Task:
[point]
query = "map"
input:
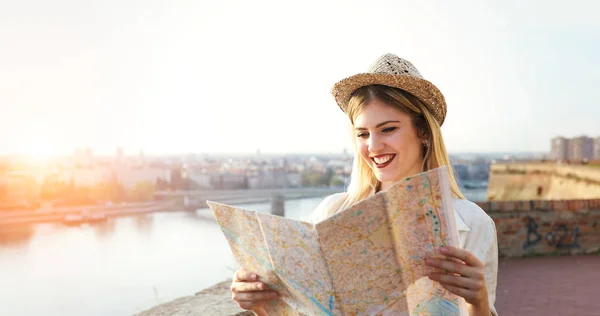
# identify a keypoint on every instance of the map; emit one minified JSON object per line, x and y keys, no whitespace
{"x":365,"y":260}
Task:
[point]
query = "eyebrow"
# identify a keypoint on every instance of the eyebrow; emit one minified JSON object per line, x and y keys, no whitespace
{"x":378,"y":125}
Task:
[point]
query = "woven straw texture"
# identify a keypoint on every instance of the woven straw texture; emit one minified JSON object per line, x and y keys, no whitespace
{"x":391,"y":70}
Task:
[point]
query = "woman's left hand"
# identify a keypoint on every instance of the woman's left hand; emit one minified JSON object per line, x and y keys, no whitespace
{"x":464,"y":277}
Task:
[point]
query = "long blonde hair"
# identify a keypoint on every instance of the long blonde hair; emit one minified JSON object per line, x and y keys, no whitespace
{"x":362,"y":180}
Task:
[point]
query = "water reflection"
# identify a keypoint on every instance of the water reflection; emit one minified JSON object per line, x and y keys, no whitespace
{"x":128,"y":261}
{"x":201,"y":215}
{"x":144,"y":223}
{"x":105,"y":229}
{"x":16,"y":236}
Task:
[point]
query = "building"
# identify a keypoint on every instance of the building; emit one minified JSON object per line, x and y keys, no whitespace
{"x":575,"y":149}
{"x":200,"y":180}
{"x":597,"y":148}
{"x":229,"y":181}
{"x":274,"y":179}
{"x":17,"y":187}
{"x":560,"y":149}
{"x":125,"y":175}
{"x":581,"y":148}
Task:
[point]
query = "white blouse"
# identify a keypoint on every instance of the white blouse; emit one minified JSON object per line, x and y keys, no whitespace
{"x":476,"y":231}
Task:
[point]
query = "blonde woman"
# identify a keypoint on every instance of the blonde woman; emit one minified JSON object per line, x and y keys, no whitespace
{"x":396,"y":117}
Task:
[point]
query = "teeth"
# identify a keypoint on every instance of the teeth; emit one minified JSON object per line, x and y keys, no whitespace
{"x":382,"y":159}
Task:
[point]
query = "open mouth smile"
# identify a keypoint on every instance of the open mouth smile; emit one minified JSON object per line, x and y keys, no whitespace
{"x":382,"y":161}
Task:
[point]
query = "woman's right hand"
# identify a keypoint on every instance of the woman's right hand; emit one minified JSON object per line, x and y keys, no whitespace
{"x":249,"y":292}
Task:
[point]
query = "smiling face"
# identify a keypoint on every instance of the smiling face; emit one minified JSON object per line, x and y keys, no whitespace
{"x":388,"y":142}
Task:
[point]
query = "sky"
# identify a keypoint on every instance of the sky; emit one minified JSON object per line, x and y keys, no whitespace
{"x":174,"y":77}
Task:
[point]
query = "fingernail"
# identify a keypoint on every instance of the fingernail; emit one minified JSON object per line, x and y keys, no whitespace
{"x":253,"y":276}
{"x":444,"y":250}
{"x":430,"y":261}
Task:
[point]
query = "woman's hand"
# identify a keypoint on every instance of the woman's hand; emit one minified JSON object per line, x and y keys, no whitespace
{"x":464,"y":277}
{"x":249,"y":293}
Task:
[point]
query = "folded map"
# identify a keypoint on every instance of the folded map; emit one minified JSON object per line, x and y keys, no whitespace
{"x":365,"y":260}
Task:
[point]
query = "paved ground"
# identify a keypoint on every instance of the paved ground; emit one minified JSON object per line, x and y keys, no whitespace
{"x":565,"y":285}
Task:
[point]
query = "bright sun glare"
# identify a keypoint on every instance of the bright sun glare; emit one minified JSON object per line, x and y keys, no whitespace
{"x":40,"y":150}
{"x":37,"y":144}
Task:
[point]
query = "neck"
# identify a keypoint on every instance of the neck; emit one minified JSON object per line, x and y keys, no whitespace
{"x":383,"y":186}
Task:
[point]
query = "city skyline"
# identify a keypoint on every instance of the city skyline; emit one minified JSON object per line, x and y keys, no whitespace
{"x":234,"y":77}
{"x":136,"y":153}
{"x":578,"y":148}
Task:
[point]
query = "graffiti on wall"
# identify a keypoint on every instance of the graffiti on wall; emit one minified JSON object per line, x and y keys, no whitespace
{"x":558,"y":238}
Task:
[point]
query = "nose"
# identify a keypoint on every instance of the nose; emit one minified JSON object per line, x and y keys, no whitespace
{"x":375,"y":144}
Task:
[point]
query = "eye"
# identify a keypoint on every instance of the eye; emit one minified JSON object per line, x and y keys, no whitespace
{"x":389,"y":129}
{"x":362,"y":135}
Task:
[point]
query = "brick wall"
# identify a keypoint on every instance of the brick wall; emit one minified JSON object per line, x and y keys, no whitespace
{"x":546,"y":227}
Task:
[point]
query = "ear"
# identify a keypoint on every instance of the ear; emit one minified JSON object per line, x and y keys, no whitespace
{"x":422,"y":134}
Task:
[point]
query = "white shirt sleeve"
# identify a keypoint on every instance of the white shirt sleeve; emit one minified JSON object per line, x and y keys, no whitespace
{"x":482,"y":241}
{"x":490,"y":262}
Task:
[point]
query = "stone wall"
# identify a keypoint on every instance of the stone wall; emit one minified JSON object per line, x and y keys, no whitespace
{"x":215,"y":300}
{"x":546,"y":227}
{"x":543,"y":181}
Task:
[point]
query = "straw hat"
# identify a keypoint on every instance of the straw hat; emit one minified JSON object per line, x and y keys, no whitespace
{"x":391,"y":70}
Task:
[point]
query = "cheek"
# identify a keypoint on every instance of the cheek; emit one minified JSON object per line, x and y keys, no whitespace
{"x":413,"y":150}
{"x":397,"y":142}
{"x":404,"y":142}
{"x":363,"y":149}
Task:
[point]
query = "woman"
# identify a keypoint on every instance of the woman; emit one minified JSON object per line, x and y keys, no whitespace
{"x":396,"y":117}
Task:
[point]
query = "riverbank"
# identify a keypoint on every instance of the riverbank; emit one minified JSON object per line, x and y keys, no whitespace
{"x":59,"y":214}
{"x":172,"y":201}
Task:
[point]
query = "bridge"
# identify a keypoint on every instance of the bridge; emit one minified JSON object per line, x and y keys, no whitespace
{"x":170,"y":201}
{"x":197,"y":198}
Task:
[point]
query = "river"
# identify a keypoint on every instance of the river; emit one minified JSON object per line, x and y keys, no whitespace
{"x":120,"y":267}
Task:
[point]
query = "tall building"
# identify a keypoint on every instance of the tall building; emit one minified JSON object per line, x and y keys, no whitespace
{"x":560,"y":149}
{"x":575,"y":149}
{"x":581,"y":148}
{"x":588,"y":148}
{"x":597,"y":148}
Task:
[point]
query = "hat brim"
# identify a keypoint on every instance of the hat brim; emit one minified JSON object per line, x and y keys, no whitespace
{"x":424,"y":90}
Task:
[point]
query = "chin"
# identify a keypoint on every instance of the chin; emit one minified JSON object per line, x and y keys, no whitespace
{"x":384,"y":177}
{"x":388,"y":174}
